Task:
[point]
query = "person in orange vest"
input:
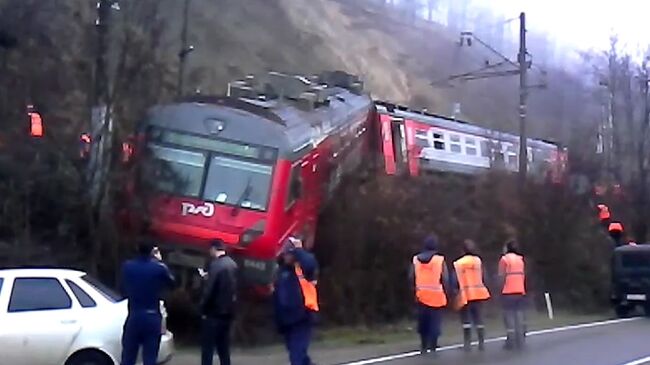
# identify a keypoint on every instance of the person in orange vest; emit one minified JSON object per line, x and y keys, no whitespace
{"x":604,"y":214}
{"x":630,"y":240}
{"x":430,"y":279}
{"x":472,"y":292}
{"x":295,"y":299}
{"x":616,"y":232}
{"x":512,"y":275}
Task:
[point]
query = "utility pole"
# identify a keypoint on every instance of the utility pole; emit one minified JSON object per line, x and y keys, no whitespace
{"x":184,"y":51}
{"x":491,"y":70}
{"x":101,"y":77}
{"x":523,"y":96}
{"x":101,"y":123}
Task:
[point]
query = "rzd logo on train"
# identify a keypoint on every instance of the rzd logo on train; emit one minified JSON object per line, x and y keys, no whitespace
{"x":206,"y":210}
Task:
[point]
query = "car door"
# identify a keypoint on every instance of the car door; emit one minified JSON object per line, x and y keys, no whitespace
{"x":41,"y":321}
{"x":10,"y":351}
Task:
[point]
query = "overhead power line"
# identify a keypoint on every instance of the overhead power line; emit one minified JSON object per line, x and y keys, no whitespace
{"x":520,"y":67}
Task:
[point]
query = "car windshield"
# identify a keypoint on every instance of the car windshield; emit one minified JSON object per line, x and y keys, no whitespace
{"x":635,"y":261}
{"x":104,"y":290}
{"x":238,"y":182}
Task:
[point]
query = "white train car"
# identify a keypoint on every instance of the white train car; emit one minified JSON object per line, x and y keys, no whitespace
{"x":418,"y":142}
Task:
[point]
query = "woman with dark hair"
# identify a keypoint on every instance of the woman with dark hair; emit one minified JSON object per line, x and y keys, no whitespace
{"x":512,"y":275}
{"x":472,"y":293}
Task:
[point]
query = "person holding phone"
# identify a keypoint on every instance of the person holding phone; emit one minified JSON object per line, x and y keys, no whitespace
{"x":295,"y":299}
{"x":143,"y":281}
{"x":218,"y":304}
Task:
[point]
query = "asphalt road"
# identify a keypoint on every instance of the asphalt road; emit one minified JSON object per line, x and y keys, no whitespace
{"x":617,"y":343}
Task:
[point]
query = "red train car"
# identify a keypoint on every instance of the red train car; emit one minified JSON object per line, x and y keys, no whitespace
{"x":415,"y":142}
{"x":250,"y":168}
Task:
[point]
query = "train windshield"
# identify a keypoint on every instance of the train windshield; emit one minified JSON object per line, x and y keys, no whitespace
{"x":237,"y":182}
{"x":174,"y":170}
{"x":218,"y":171}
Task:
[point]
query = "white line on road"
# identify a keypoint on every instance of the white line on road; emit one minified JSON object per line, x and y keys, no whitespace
{"x":645,"y":360}
{"x":497,"y":339}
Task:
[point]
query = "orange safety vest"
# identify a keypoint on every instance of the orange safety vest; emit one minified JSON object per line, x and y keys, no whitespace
{"x":36,"y":125}
{"x":308,"y":288}
{"x":428,"y":282}
{"x":470,"y":279}
{"x":604,"y":213}
{"x":615,"y":226}
{"x":512,"y":267}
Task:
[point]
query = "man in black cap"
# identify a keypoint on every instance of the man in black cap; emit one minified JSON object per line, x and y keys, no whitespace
{"x":143,"y":281}
{"x":218,"y":305}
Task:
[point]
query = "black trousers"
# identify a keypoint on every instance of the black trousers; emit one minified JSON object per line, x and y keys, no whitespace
{"x":471,"y":315}
{"x":429,"y":322}
{"x":215,"y":333}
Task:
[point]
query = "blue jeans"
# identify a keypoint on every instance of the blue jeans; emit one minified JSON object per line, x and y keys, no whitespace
{"x":215,"y":332}
{"x":514,"y":317}
{"x":141,"y":329}
{"x":297,"y":338}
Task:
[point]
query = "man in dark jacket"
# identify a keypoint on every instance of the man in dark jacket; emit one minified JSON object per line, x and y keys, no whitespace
{"x":218,"y":305}
{"x":430,"y":317}
{"x":293,"y":318}
{"x":143,"y":281}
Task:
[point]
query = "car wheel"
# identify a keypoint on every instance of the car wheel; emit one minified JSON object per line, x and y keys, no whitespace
{"x":89,"y":357}
{"x":646,"y":310}
{"x":622,"y":311}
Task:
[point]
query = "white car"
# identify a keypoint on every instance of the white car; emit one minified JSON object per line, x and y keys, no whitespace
{"x":63,"y":317}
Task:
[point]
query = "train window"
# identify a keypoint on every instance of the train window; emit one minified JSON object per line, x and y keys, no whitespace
{"x":455,"y":148}
{"x":295,"y":186}
{"x":454,"y":137}
{"x":471,"y":150}
{"x":438,"y":141}
{"x":421,"y":139}
{"x":238,"y":182}
{"x":174,"y":170}
{"x":470,"y":141}
{"x":485,"y":148}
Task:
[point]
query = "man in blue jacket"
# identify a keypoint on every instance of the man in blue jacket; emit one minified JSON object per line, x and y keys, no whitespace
{"x":295,"y":300}
{"x":143,"y":281}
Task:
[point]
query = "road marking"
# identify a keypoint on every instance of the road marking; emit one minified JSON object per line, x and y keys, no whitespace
{"x":645,"y":360}
{"x":404,"y":355}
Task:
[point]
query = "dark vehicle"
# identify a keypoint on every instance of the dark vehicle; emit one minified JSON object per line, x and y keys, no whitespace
{"x":631,"y":279}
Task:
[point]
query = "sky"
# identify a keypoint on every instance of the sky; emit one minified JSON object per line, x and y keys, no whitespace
{"x":584,"y":24}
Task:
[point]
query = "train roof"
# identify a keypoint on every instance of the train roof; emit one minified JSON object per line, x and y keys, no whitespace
{"x":455,"y":124}
{"x":290,"y":113}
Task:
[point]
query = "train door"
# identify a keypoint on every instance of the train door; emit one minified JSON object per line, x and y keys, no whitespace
{"x":303,"y":199}
{"x":393,"y":144}
{"x":313,"y":193}
{"x":398,"y":132}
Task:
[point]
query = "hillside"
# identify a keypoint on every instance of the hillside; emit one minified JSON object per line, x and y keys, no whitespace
{"x":398,"y":57}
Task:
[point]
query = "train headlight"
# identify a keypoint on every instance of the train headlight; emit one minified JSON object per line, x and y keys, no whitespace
{"x":248,"y":237}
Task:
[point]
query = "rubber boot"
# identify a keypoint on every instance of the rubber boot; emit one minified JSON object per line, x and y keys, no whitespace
{"x":481,"y":338}
{"x":433,"y":346}
{"x":467,"y":339}
{"x":510,"y":341}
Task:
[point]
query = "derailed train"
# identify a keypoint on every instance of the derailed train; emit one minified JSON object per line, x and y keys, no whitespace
{"x":257,"y":165}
